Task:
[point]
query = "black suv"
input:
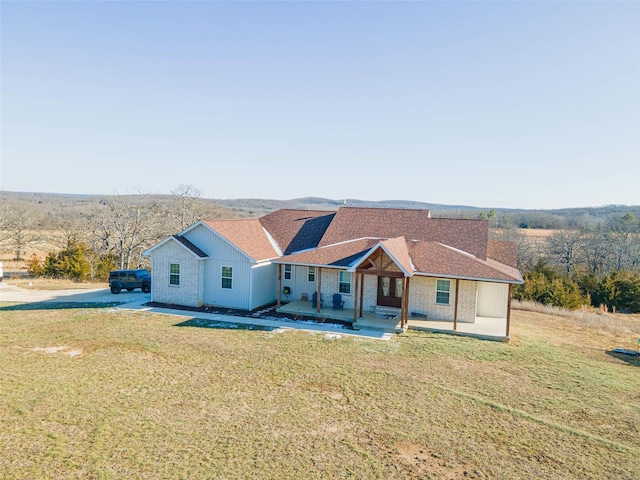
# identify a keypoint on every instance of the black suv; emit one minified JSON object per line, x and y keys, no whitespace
{"x":129,"y":279}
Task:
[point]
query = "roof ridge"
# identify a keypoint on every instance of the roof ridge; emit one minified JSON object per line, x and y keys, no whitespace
{"x":349,"y":207}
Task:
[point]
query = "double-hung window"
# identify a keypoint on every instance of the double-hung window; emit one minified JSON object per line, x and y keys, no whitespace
{"x":443,"y":292}
{"x":312,"y":274}
{"x":344,"y":282}
{"x":174,"y":274}
{"x":227,"y":277}
{"x":287,"y":272}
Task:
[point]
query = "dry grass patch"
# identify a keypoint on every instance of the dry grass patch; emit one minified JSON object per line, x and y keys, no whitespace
{"x":149,"y":399}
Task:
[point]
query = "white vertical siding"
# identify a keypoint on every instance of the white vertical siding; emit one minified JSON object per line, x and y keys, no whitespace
{"x":235,"y":297}
{"x":215,"y":246}
{"x":300,"y":283}
{"x":264,"y":279}
{"x":492,"y":299}
{"x":222,"y":254}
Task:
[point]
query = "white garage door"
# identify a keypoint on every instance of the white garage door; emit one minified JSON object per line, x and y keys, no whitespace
{"x":492,"y":300}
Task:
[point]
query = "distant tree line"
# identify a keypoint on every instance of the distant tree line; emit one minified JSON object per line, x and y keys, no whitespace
{"x":597,"y":266}
{"x":592,"y":257}
{"x":111,"y":234}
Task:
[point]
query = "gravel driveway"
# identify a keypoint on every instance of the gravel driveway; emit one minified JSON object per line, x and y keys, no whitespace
{"x":10,"y":293}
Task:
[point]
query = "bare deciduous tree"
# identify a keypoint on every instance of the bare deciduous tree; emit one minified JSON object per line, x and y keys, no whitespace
{"x":563,"y":249}
{"x":187,"y":206}
{"x":19,"y":225}
{"x":128,"y":226}
{"x":623,"y":238}
{"x":594,"y":251}
{"x":527,"y":251}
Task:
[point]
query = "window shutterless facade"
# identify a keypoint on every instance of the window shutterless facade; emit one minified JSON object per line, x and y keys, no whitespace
{"x":344,"y":282}
{"x":174,"y":274}
{"x":287,"y":272}
{"x":227,"y":277}
{"x":443,"y":292}
{"x":312,"y":274}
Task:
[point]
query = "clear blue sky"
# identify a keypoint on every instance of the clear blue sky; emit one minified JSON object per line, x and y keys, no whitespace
{"x":491,"y":104}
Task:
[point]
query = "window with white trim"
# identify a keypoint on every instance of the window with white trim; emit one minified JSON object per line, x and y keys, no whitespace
{"x":287,"y":272}
{"x":227,"y":277}
{"x":344,"y":282}
{"x":312,"y":274}
{"x":174,"y":274}
{"x":443,"y":292}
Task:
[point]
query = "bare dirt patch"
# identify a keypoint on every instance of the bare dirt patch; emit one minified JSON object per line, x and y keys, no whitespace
{"x":63,"y":350}
{"x":432,"y":465}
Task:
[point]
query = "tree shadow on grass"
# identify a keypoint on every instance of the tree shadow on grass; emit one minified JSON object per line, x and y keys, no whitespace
{"x":204,"y":323}
{"x":631,"y":359}
{"x":57,"y":306}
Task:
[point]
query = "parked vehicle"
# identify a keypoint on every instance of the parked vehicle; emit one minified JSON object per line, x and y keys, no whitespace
{"x":129,"y":280}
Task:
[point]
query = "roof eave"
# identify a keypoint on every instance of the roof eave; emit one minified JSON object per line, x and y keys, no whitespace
{"x":464,"y":277}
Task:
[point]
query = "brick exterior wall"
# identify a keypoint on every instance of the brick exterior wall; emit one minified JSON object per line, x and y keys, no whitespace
{"x":329,"y":286}
{"x":422,"y":293}
{"x":190,"y":290}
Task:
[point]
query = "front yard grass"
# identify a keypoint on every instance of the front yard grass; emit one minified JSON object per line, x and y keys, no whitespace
{"x":132,"y":395}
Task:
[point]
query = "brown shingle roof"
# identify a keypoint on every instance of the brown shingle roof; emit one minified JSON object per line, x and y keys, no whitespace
{"x":340,"y":255}
{"x":247,"y":235}
{"x":296,"y":230}
{"x":464,"y":234}
{"x":433,"y":258}
{"x":503,"y":252}
{"x":354,"y":222}
{"x":397,"y":249}
{"x":414,"y":256}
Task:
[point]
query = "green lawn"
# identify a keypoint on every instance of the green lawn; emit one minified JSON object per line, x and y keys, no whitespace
{"x":132,"y":395}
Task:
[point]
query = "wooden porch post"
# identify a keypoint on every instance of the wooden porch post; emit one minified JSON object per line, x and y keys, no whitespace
{"x":407,"y":289}
{"x":455,"y":308}
{"x":279,"y":283}
{"x":361,"y":292}
{"x":319,"y":289}
{"x":509,"y":310}
{"x":403,"y":305}
{"x":355,"y":299}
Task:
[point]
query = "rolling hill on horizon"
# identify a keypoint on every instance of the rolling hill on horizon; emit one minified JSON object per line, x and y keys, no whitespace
{"x":254,"y":207}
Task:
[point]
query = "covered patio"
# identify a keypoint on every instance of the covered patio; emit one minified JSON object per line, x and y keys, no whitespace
{"x":484,"y":327}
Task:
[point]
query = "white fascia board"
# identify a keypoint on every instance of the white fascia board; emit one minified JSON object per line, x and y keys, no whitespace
{"x":461,"y":277}
{"x":319,"y":265}
{"x":273,"y":242}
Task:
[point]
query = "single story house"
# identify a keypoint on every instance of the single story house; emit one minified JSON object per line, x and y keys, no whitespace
{"x":396,"y":262}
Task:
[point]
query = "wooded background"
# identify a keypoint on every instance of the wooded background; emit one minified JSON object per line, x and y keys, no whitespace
{"x":570,"y":257}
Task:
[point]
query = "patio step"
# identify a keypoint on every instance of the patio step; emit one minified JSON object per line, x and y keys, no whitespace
{"x":391,"y":325}
{"x":387,"y":312}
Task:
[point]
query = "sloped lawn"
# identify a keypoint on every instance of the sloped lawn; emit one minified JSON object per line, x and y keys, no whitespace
{"x":104,"y":393}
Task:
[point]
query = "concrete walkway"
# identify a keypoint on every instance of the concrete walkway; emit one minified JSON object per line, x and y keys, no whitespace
{"x":135,"y":301}
{"x":367,"y":327}
{"x":271,"y":323}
